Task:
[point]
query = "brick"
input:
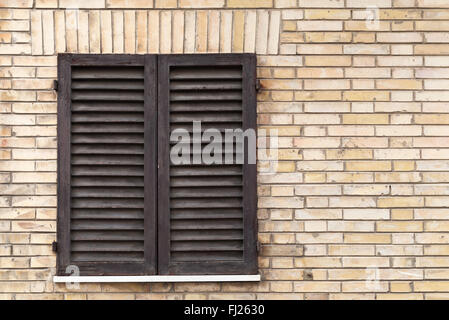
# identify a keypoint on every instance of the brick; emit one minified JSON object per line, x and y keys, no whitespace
{"x":328,"y":61}
{"x":365,"y":119}
{"x":364,"y":142}
{"x":398,"y":130}
{"x":366,"y":214}
{"x":130,"y":32}
{"x":370,"y":49}
{"x":46,"y":4}
{"x":201,"y":31}
{"x":400,"y":61}
{"x":319,"y":25}
{"x":349,"y":154}
{"x":326,"y":84}
{"x":332,"y":14}
{"x":407,"y":37}
{"x":353,"y":130}
{"x":399,"y":84}
{"x":88,"y":4}
{"x":83,"y":31}
{"x":365,"y":189}
{"x":117,"y":32}
{"x":366,"y":238}
{"x":386,"y":202}
{"x":16,"y":4}
{"x":273,"y":39}
{"x":367,"y":72}
{"x":248,"y":3}
{"x":311,"y":286}
{"x":226,"y":32}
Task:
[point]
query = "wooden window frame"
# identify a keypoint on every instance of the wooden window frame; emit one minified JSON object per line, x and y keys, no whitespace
{"x":156,"y":209}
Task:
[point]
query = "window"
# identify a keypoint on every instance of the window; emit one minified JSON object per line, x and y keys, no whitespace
{"x":128,"y":204}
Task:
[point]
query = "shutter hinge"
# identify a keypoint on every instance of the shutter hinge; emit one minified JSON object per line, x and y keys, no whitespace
{"x":55,"y":85}
{"x":54,"y":246}
{"x":258,"y":246}
{"x":258,"y":86}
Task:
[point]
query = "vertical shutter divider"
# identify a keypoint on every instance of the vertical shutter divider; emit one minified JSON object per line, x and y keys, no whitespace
{"x":64,"y":175}
{"x":249,"y":170}
{"x":163,"y":166}
{"x":150,"y":163}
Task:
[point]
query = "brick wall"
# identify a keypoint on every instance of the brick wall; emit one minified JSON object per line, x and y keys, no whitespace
{"x":362,"y":113}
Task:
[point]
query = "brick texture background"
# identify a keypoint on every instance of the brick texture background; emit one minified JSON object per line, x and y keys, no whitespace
{"x":363,"y":119}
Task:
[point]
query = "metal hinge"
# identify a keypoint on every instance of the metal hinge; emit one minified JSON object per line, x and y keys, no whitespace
{"x":258,"y":246}
{"x":258,"y":86}
{"x":55,"y":85}
{"x":54,"y":246}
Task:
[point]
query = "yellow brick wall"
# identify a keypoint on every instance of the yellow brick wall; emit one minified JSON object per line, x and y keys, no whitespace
{"x":362,"y":189}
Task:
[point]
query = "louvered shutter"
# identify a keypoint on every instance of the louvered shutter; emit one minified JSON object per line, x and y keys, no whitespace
{"x":206,"y":213}
{"x":107,"y":164}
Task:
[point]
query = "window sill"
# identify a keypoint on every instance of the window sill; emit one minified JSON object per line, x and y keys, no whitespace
{"x":193,"y":278}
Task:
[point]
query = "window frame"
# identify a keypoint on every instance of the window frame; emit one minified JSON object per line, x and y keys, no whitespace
{"x":155,"y":242}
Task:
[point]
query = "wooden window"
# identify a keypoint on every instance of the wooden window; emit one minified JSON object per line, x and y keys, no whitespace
{"x":123,"y":207}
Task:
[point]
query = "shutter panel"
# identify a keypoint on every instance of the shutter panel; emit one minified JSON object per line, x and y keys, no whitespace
{"x":206,"y":213}
{"x":107,"y":164}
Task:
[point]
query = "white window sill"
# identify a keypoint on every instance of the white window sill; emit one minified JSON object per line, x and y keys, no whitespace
{"x":202,"y":278}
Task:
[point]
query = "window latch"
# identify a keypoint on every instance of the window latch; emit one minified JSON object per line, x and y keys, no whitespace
{"x":54,"y":246}
{"x":55,"y":85}
{"x":258,"y":86}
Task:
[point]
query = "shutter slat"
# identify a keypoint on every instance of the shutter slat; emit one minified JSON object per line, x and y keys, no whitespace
{"x":103,"y":203}
{"x":108,"y":159}
{"x":207,"y":234}
{"x":183,"y":246}
{"x":206,"y":117}
{"x":205,"y":181}
{"x":107,"y":73}
{"x":106,"y":95}
{"x":112,"y":171}
{"x":221,"y":127}
{"x":207,"y":170}
{"x":211,"y":72}
{"x":128,"y":149}
{"x":108,"y":235}
{"x":185,"y":214}
{"x":110,"y":106}
{"x":207,"y":256}
{"x":205,"y":95}
{"x":197,"y":106}
{"x":105,"y":117}
{"x":107,"y":256}
{"x":105,"y":192}
{"x":107,"y":214}
{"x":211,"y":203}
{"x":107,"y":182}
{"x":108,"y":127}
{"x":205,"y":85}
{"x":205,"y":192}
{"x":108,"y":84}
{"x":205,"y":224}
{"x":122,"y":225}
{"x":87,"y":246}
{"x":107,"y":138}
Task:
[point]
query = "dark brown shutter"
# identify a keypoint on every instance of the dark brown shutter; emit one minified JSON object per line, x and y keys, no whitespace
{"x":107,"y":164}
{"x":206,"y":213}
